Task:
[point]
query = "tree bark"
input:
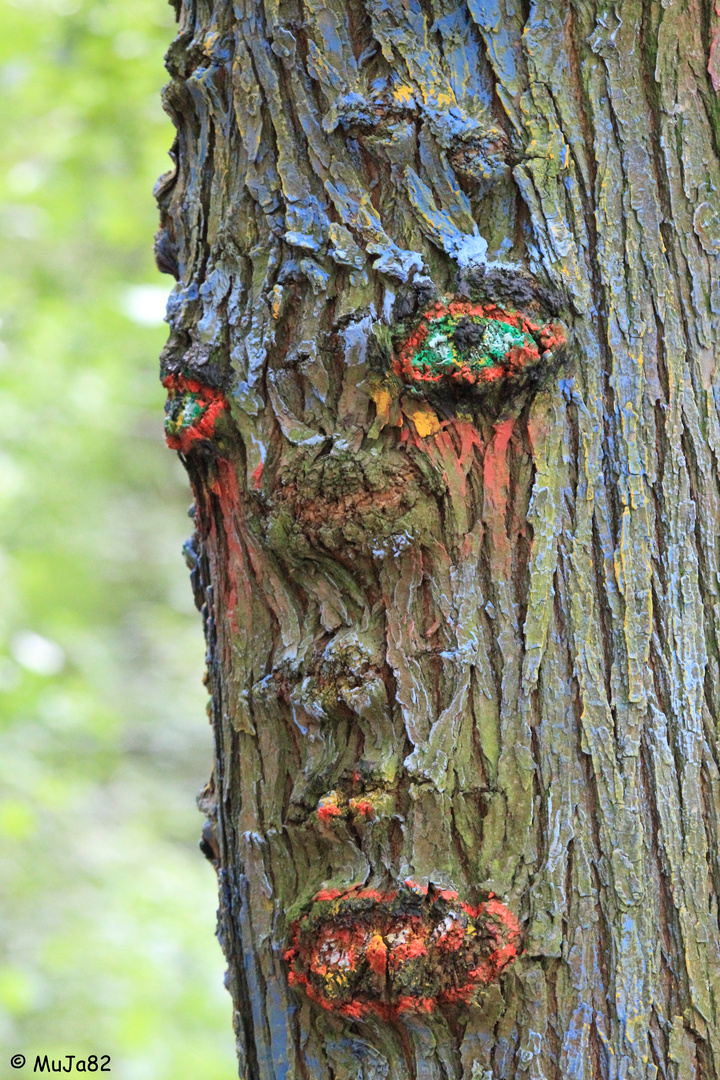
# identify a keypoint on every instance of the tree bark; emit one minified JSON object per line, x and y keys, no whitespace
{"x":462,"y":635}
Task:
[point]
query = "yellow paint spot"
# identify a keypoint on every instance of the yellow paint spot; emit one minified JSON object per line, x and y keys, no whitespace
{"x":403,"y":94}
{"x":382,"y":401}
{"x":425,"y":421}
{"x":335,"y":983}
{"x":209,"y":42}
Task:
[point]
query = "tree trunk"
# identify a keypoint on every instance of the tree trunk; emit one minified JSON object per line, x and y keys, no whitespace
{"x":461,"y":602}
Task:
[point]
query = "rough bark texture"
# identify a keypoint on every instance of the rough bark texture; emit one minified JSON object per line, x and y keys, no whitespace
{"x":460,"y":638}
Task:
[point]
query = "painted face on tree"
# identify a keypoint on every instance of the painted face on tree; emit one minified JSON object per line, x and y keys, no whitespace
{"x":391,"y":952}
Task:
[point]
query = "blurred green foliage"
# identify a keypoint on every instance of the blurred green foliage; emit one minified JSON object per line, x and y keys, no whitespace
{"x":108,"y":909}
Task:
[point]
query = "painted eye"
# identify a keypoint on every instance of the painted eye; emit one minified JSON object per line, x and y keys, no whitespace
{"x":191,"y":411}
{"x":457,"y":344}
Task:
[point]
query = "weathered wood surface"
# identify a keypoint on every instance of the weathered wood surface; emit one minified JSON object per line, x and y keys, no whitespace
{"x":498,"y":627}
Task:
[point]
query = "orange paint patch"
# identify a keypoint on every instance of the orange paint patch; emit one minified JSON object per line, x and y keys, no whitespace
{"x":363,"y":807}
{"x":376,"y":953}
{"x":327,"y":811}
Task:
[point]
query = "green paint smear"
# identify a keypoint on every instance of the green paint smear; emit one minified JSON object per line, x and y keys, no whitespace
{"x":440,"y":352}
{"x":192,"y":411}
{"x":182,"y":412}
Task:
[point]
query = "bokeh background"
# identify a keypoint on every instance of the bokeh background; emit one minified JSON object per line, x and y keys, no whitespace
{"x":107,"y":908}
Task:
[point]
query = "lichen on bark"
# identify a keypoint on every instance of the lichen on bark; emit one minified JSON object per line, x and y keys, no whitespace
{"x":493,"y":620}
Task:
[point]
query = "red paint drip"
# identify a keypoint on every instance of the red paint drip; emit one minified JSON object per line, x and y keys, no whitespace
{"x":225,"y":488}
{"x":410,"y":951}
{"x":714,"y":57}
{"x":257,"y":475}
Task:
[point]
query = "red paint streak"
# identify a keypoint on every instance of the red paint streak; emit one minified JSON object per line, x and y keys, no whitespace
{"x":257,"y":475}
{"x":714,"y":58}
{"x":407,"y":952}
{"x":213,"y":402}
{"x":496,"y":471}
{"x":225,"y":487}
{"x":328,"y":894}
{"x":373,"y":894}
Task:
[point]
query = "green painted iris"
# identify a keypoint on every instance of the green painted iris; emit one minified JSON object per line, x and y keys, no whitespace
{"x":182,"y":412}
{"x":455,"y":342}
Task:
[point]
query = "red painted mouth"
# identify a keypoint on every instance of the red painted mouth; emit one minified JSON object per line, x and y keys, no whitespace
{"x":364,"y":953}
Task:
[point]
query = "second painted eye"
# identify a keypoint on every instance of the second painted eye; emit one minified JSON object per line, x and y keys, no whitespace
{"x":465,"y":344}
{"x":191,"y":411}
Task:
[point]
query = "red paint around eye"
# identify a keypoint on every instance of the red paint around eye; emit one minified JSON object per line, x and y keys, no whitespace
{"x":532,"y":338}
{"x":365,"y":953}
{"x":192,"y":411}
